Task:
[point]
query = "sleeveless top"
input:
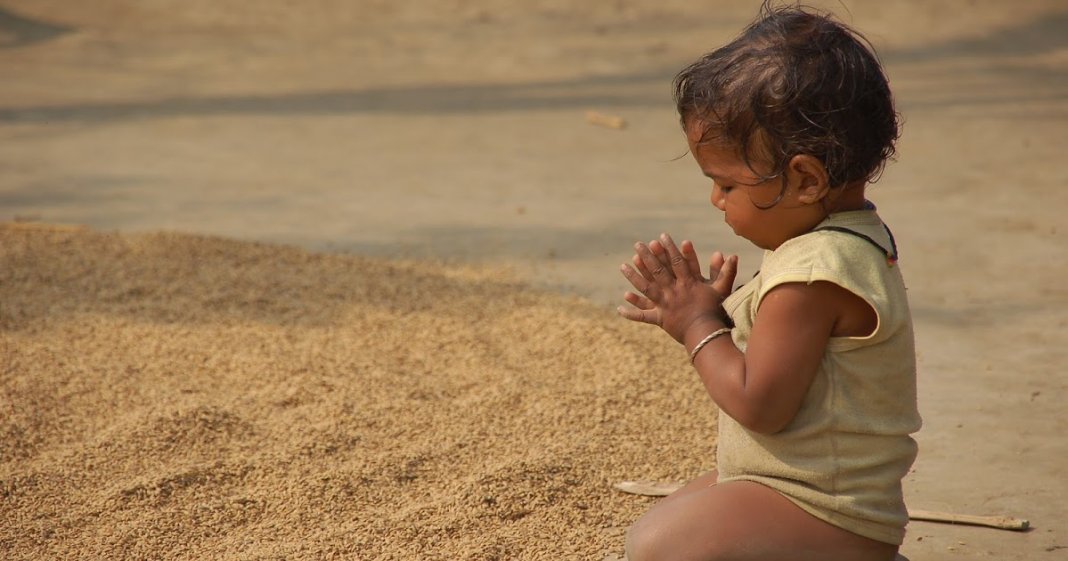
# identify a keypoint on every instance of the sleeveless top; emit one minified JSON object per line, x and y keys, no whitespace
{"x":843,"y":456}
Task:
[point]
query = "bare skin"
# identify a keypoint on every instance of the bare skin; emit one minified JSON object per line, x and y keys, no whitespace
{"x":762,"y":388}
{"x":742,"y":521}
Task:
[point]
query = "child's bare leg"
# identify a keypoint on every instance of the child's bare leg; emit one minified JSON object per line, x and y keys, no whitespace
{"x":742,"y":521}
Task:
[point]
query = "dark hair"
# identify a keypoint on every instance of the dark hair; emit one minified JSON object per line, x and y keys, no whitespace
{"x":794,"y":82}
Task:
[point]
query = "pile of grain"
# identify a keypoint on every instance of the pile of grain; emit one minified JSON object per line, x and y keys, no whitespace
{"x":168,"y":396}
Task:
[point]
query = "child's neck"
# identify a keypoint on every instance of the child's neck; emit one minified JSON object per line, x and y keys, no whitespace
{"x":846,"y":198}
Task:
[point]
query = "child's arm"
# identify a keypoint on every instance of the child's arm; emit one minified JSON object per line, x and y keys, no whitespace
{"x":764,"y":387}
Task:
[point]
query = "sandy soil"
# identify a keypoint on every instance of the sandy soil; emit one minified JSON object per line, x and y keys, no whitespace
{"x":178,"y":396}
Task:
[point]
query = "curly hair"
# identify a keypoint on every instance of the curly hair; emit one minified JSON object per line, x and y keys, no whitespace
{"x":794,"y":82}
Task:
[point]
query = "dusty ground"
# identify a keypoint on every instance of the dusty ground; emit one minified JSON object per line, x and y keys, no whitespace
{"x":454,"y":131}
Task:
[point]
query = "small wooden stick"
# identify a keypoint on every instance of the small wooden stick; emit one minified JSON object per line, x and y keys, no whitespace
{"x":1001,"y":522}
{"x":662,"y":489}
{"x":648,"y":488}
{"x":607,"y":121}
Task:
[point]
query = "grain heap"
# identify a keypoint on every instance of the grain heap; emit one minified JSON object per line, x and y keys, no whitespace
{"x":168,"y":396}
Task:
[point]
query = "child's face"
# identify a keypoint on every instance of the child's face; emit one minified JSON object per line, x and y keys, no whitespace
{"x":751,"y":207}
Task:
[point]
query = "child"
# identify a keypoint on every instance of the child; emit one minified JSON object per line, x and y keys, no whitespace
{"x":812,"y":361}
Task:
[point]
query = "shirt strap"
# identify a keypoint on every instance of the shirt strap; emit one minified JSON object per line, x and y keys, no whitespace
{"x":891,"y":255}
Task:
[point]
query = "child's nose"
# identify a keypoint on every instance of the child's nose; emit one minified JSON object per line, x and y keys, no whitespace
{"x":718,"y":199}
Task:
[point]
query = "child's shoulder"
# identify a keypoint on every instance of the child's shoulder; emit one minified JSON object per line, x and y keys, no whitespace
{"x":843,"y":238}
{"x":846,"y":248}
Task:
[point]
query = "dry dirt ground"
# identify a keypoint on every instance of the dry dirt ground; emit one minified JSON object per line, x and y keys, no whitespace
{"x":454,"y":132}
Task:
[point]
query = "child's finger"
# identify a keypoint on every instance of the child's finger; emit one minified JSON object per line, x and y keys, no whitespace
{"x":692,"y":260}
{"x":639,"y":301}
{"x":643,"y":285}
{"x":727,"y":273}
{"x":642,"y":268}
{"x":643,"y":316}
{"x":639,"y":265}
{"x":657,"y":249}
{"x":660,"y":272}
{"x":679,"y":267}
{"x":715,"y":263}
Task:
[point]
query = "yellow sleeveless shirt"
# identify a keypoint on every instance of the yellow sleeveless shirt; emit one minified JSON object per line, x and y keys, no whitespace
{"x":842,"y":458}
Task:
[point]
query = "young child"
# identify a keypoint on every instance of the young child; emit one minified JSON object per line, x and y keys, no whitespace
{"x":812,"y":361}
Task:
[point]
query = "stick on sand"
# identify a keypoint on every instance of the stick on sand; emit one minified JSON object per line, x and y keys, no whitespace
{"x":607,"y":121}
{"x":661,"y":489}
{"x":1000,"y":522}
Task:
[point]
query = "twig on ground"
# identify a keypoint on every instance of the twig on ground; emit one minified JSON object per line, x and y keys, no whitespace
{"x":664,"y":488}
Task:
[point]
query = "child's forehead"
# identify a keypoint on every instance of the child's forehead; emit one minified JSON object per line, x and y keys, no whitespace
{"x":721,"y":162}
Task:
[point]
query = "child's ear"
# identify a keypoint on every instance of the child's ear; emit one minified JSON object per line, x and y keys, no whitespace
{"x":811,"y":178}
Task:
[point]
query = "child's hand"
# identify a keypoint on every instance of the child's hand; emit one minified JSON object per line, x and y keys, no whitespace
{"x":672,"y":292}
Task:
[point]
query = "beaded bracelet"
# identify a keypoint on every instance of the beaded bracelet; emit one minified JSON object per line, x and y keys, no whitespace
{"x":706,"y":340}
